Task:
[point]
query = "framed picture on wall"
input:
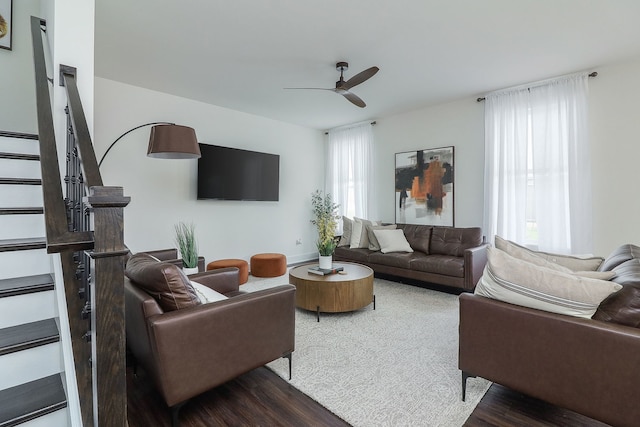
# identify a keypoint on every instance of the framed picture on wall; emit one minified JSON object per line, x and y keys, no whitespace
{"x":425,"y":187}
{"x":6,"y":23}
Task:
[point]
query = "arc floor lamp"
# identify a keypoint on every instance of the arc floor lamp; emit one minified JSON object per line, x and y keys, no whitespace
{"x":166,"y":141}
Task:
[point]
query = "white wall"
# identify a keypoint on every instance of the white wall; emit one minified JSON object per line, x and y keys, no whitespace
{"x":163,"y":192}
{"x":17,"y":84}
{"x":614,"y":117}
{"x":460,"y":124}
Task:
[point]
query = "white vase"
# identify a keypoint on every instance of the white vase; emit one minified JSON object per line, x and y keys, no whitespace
{"x":190,"y":270}
{"x":325,"y":261}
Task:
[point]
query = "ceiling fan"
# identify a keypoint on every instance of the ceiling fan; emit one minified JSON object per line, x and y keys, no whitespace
{"x":342,"y":86}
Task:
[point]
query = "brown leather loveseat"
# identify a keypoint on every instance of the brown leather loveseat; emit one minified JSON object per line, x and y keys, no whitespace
{"x":447,"y":256}
{"x":188,"y":347}
{"x":591,"y":366}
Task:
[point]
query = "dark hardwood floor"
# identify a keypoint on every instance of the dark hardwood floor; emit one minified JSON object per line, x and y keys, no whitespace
{"x":257,"y":398}
{"x":503,"y":407}
{"x":262,"y":398}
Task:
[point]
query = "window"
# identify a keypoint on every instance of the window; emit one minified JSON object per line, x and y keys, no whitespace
{"x":537,"y":181}
{"x":348,"y":172}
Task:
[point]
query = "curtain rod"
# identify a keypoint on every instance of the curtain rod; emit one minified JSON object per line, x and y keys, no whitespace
{"x":594,"y":74}
{"x":373,"y":123}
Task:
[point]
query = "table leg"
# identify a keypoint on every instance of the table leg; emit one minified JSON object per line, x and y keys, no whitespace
{"x":318,"y":313}
{"x":374,"y":301}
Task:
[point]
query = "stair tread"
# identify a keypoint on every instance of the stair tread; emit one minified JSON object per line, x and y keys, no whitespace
{"x":21,"y":181}
{"x":21,"y":211}
{"x":22,"y":244}
{"x":28,"y":335}
{"x":31,"y":400}
{"x":26,"y":285}
{"x":19,"y":156}
{"x":21,"y":135}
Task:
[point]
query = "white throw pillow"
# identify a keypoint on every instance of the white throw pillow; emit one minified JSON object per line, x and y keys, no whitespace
{"x":573,"y":263}
{"x":519,"y":282}
{"x":359,"y":235}
{"x":206,"y":294}
{"x":374,"y":245}
{"x":392,"y":241}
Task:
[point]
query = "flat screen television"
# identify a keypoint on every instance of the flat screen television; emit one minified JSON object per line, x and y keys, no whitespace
{"x":232,"y":174}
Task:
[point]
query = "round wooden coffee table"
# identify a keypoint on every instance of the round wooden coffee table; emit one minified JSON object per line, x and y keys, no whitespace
{"x":334,"y":293}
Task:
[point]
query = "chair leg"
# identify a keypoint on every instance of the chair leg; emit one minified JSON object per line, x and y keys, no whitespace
{"x":288,"y":356}
{"x":464,"y":384}
{"x":175,"y":411}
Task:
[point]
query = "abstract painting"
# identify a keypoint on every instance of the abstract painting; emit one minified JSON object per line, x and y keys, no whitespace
{"x":6,"y":24}
{"x":424,"y":187}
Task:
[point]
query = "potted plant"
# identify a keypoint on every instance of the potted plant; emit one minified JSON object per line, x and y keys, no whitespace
{"x":186,"y":242}
{"x":325,"y":214}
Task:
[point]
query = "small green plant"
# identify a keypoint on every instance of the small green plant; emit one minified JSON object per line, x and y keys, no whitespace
{"x":325,"y":214}
{"x":186,"y":242}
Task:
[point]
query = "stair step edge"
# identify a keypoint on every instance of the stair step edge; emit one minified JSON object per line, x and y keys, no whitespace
{"x":21,"y":181}
{"x":31,"y":400}
{"x":21,"y":211}
{"x":26,"y":285}
{"x":23,"y":244}
{"x":28,"y":335}
{"x":19,"y":156}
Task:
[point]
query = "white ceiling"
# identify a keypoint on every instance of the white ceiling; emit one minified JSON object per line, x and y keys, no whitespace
{"x":240,"y":54}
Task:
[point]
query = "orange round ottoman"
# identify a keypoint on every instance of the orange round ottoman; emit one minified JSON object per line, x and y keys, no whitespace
{"x":243,"y":274}
{"x":268,"y":265}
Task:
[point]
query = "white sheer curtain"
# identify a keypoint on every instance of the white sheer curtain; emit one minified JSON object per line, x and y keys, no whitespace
{"x":349,"y":170}
{"x":537,"y":166}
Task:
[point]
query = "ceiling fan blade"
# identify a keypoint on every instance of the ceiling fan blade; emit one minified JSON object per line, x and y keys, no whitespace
{"x":361,"y":77}
{"x":353,"y":98}
{"x":309,"y":88}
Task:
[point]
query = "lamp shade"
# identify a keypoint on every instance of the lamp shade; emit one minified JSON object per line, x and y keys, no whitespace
{"x":173,"y":142}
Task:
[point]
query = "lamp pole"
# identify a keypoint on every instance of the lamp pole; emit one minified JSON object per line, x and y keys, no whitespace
{"x":126,"y":133}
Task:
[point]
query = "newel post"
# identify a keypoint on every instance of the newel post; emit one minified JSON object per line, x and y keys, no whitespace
{"x":107,"y":302}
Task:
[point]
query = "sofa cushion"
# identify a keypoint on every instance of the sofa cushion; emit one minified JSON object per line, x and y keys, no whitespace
{"x":446,"y":265}
{"x":392,"y":241}
{"x":454,"y":241}
{"x":618,"y":256}
{"x":394,"y":259}
{"x":573,"y":263}
{"x":347,"y":226}
{"x":357,"y":255}
{"x":164,"y":281}
{"x":418,"y":236}
{"x":623,"y":307}
{"x":518,"y":282}
{"x":374,"y":245}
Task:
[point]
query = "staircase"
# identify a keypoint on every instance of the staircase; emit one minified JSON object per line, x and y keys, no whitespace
{"x":32,"y":391}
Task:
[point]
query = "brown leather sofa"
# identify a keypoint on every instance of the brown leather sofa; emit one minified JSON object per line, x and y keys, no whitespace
{"x":591,"y":366}
{"x":447,"y":256}
{"x":190,"y":350}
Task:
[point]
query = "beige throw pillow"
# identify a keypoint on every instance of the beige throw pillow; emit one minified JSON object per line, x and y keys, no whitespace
{"x":374,"y":245}
{"x":392,"y":241}
{"x":359,"y":235}
{"x":573,"y":263}
{"x":519,"y":282}
{"x":347,"y":226}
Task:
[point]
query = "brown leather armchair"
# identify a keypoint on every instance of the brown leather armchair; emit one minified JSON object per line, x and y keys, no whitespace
{"x":191,"y":350}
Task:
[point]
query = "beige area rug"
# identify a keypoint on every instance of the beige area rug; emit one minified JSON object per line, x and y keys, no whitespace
{"x":392,"y":366}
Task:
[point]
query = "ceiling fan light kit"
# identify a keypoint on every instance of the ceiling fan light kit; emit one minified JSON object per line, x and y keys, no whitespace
{"x":342,"y":86}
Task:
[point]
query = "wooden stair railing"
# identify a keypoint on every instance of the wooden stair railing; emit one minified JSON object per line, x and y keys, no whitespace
{"x":100,"y":365}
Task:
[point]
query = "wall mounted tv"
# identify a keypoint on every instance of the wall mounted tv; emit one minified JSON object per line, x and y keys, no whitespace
{"x":232,"y":174}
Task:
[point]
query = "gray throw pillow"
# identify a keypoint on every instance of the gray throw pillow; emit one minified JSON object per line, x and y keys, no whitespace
{"x":347,"y":225}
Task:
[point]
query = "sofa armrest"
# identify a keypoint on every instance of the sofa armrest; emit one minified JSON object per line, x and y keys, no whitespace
{"x":201,"y":347}
{"x":588,"y":366}
{"x":475,"y":260}
{"x":223,"y":280}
